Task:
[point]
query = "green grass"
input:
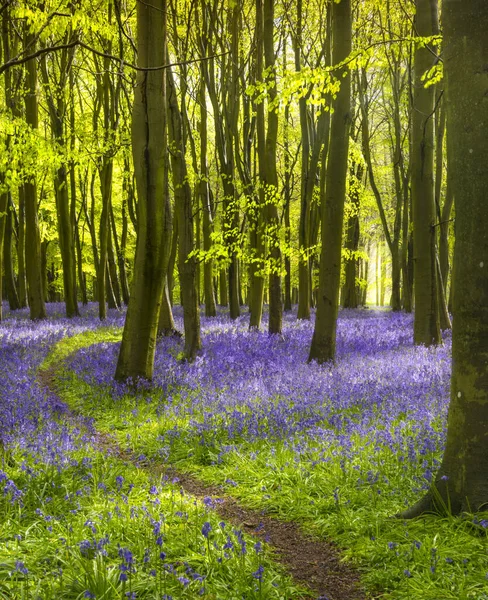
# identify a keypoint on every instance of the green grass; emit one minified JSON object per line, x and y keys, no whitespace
{"x":350,"y":499}
{"x":75,"y":523}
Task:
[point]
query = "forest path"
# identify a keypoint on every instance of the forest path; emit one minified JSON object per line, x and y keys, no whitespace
{"x":312,"y":562}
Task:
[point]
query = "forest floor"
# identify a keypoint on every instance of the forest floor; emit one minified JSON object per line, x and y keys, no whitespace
{"x":314,"y":563}
{"x":246,"y":474}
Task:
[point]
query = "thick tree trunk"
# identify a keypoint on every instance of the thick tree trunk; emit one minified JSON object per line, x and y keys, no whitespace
{"x":426,"y":320}
{"x":324,"y":336}
{"x":462,"y":481}
{"x":136,"y":357}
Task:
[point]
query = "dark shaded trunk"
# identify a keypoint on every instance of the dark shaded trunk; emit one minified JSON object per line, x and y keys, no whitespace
{"x":426,"y":320}
{"x":10,"y":287}
{"x":183,"y":207}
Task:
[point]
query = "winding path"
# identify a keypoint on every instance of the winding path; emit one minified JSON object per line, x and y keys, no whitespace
{"x":314,"y":563}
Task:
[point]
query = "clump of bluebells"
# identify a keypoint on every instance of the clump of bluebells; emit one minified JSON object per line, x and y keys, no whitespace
{"x":340,"y":447}
{"x":79,"y":523}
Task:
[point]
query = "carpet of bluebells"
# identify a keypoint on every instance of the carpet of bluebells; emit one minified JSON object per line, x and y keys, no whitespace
{"x":340,"y":448}
{"x":76,"y":522}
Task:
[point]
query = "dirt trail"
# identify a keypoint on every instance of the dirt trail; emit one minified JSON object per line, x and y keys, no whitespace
{"x":315,"y":563}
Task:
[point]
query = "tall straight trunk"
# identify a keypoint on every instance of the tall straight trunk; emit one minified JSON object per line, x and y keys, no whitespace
{"x":383,"y":274}
{"x":257,"y":215}
{"x":114,"y":297}
{"x":223,"y":295}
{"x":21,"y":274}
{"x":313,"y":160}
{"x":230,"y":193}
{"x":79,"y":262}
{"x":149,"y":146}
{"x":45,"y":285}
{"x":323,"y":344}
{"x":350,"y":291}
{"x":287,"y":195}
{"x":304,"y":288}
{"x":106,"y":173}
{"x":207,"y":217}
{"x":426,"y":319}
{"x":172,"y":259}
{"x":183,"y":207}
{"x":271,"y":177}
{"x":3,"y":210}
{"x":393,"y":241}
{"x":225,"y":105}
{"x":461,"y":483}
{"x":119,"y":248}
{"x":65,"y":218}
{"x":5,"y":215}
{"x":11,"y":288}
{"x":33,"y":248}
{"x":444,"y":234}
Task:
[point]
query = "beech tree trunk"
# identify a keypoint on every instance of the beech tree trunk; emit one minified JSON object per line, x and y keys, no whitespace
{"x":184,"y":208}
{"x":324,"y":336}
{"x":426,"y":319}
{"x":149,"y":143}
{"x":33,"y":248}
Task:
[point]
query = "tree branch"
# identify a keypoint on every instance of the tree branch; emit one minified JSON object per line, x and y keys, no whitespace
{"x":40,"y":52}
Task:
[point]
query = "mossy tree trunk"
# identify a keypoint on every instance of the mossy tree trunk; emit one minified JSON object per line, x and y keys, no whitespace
{"x":149,"y":143}
{"x":462,"y":481}
{"x":332,"y":205}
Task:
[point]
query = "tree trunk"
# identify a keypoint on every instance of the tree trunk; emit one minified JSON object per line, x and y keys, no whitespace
{"x":271,"y":177}
{"x":11,"y":288}
{"x":207,"y":217}
{"x":65,"y":218}
{"x":149,"y":143}
{"x":3,"y":218}
{"x":33,"y":248}
{"x":183,"y":206}
{"x":426,"y":319}
{"x":166,"y":324}
{"x":350,"y":292}
{"x":120,"y":251}
{"x":324,"y":336}
{"x":257,"y":210}
{"x":462,"y":482}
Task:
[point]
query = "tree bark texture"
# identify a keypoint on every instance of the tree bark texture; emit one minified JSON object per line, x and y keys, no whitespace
{"x":462,"y":481}
{"x":332,"y":205}
{"x":426,"y":318}
{"x":136,"y":357}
